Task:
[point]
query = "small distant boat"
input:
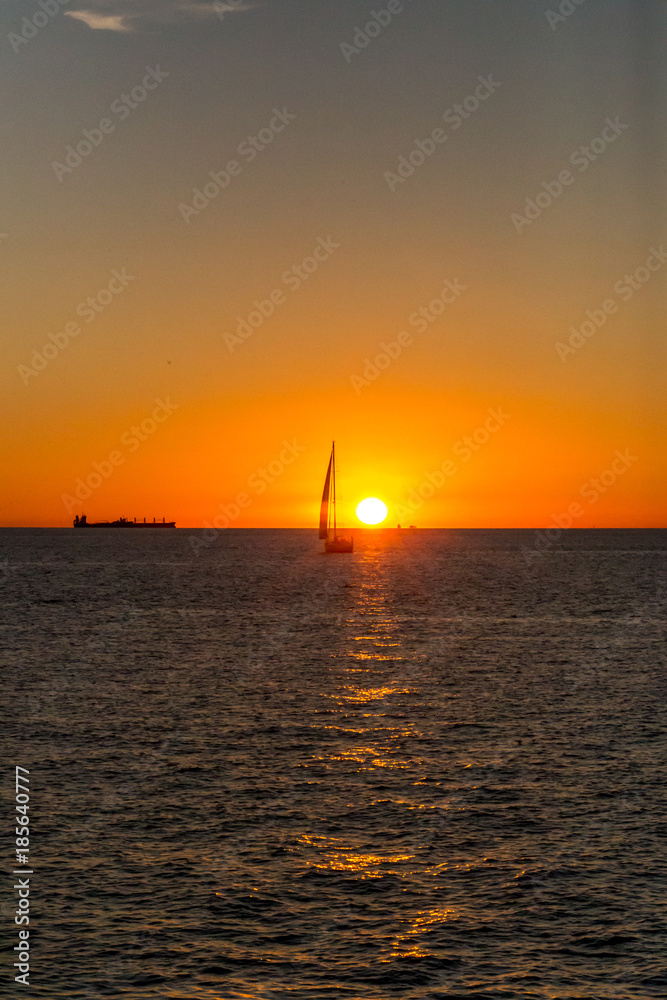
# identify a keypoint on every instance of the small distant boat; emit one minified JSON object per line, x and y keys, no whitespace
{"x":122,"y":522}
{"x":332,"y":541}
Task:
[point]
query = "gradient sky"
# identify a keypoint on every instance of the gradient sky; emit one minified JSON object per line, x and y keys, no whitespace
{"x":324,"y":176}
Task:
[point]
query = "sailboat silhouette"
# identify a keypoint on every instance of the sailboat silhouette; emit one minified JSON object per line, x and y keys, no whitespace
{"x":332,"y":542}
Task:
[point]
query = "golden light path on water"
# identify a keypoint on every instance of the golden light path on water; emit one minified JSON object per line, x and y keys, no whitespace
{"x":380,"y":669}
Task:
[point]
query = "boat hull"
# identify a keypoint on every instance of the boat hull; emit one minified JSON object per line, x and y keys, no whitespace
{"x":339,"y":545}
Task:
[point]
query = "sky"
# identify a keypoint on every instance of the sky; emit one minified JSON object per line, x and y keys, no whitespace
{"x":432,"y":230}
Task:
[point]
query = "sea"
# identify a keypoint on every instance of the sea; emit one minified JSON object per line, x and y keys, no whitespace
{"x":433,"y":768}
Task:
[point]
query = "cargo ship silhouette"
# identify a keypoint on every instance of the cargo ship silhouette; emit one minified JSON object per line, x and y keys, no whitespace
{"x":122,"y":522}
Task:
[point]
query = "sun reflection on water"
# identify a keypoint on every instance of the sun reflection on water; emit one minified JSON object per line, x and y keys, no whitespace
{"x":420,"y":923}
{"x":377,"y":667}
{"x":379,"y":705}
{"x":332,"y":854}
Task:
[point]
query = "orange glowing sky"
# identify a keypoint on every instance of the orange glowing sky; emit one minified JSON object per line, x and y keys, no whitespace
{"x":169,"y":331}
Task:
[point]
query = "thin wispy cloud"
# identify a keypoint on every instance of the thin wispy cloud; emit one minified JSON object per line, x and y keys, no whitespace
{"x":108,"y":22}
{"x":133,"y":15}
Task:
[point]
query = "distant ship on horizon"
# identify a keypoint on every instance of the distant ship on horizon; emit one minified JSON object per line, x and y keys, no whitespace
{"x":122,"y":522}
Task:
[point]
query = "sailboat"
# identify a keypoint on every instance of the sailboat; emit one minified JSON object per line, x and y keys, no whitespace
{"x":332,"y":541}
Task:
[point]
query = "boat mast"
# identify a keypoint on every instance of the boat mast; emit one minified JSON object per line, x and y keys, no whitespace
{"x":333,"y":455}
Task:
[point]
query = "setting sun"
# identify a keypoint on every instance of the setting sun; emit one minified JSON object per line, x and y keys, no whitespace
{"x":372,"y":511}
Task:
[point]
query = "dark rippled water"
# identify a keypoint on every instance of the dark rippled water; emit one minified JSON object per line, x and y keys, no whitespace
{"x":426,"y":770}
